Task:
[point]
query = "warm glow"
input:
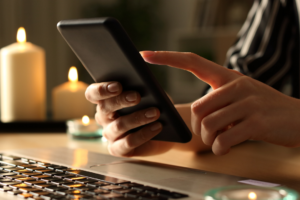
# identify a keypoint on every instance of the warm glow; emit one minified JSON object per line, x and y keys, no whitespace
{"x":73,"y":75}
{"x":252,"y":196}
{"x":80,"y":157}
{"x":85,"y":120}
{"x":21,"y":35}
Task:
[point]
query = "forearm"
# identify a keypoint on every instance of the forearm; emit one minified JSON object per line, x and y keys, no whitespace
{"x":196,"y":144}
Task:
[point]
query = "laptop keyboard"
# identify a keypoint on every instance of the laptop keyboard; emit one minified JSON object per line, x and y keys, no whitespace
{"x":35,"y":180}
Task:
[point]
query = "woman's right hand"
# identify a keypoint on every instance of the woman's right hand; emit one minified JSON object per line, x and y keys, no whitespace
{"x":110,"y":98}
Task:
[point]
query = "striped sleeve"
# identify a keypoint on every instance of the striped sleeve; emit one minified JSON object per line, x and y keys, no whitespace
{"x":267,"y":48}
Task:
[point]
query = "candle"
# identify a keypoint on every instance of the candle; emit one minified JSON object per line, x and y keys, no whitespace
{"x":69,"y":100}
{"x":23,"y":84}
{"x":84,"y":128}
{"x":245,"y":192}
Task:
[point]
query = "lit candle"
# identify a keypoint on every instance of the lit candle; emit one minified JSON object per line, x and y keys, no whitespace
{"x":84,"y":127}
{"x":23,"y":93}
{"x":69,"y":100}
{"x":248,"y":192}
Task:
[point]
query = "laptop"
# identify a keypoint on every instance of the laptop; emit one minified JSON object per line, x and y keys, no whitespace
{"x":63,"y":173}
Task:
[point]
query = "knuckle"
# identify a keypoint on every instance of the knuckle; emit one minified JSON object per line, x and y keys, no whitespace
{"x":220,"y":142}
{"x":207,"y":125}
{"x":128,"y":143}
{"x":97,"y":118}
{"x":118,"y":125}
{"x":101,"y":88}
{"x":88,"y":94}
{"x":196,"y":106}
{"x":102,"y":107}
{"x":104,"y":134}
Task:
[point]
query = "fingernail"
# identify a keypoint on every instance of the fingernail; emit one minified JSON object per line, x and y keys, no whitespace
{"x":151,"y":113}
{"x":155,"y":127}
{"x":131,"y":96}
{"x":148,"y":54}
{"x":113,"y":87}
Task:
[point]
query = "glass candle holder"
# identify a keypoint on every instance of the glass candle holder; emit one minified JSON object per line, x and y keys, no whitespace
{"x":84,"y":128}
{"x":246,"y":192}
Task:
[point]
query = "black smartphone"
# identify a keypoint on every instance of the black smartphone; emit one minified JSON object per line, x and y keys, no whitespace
{"x":108,"y":54}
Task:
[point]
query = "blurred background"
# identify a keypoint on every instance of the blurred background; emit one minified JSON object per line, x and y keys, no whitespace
{"x":205,"y":27}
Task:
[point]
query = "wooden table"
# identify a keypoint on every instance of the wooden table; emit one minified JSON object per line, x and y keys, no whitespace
{"x":254,"y":160}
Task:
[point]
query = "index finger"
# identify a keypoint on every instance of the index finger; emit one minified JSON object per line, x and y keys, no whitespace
{"x":209,"y":72}
{"x":100,"y":91}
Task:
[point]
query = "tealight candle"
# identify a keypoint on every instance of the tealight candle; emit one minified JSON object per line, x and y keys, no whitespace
{"x":241,"y":192}
{"x":84,"y":128}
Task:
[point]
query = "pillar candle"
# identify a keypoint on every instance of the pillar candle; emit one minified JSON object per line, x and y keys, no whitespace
{"x":69,"y":100}
{"x":23,"y":84}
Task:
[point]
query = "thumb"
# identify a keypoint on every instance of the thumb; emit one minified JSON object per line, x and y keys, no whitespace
{"x":209,"y":72}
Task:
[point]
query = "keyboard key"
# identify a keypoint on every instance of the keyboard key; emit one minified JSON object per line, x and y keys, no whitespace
{"x":62,"y":176}
{"x":36,"y":168}
{"x":39,"y":193}
{"x":50,"y":179}
{"x":23,"y":171}
{"x":35,"y":182}
{"x":54,"y":167}
{"x":43,"y":186}
{"x":16,"y":176}
{"x":6,"y":167}
{"x":31,"y":174}
{"x":60,"y":182}
{"x":25,"y":179}
{"x":79,"y":196}
{"x":101,"y":191}
{"x":42,"y":177}
{"x":10,"y":157}
{"x":30,"y":190}
{"x":20,"y":185}
{"x":7,"y":174}
{"x":53,"y":173}
{"x":73,"y":185}
{"x":57,"y":189}
{"x":126,"y":191}
{"x":15,"y":192}
{"x":131,"y":185}
{"x":111,"y":187}
{"x":43,"y":170}
{"x":25,"y":195}
{"x":12,"y":168}
{"x":52,"y":196}
{"x":75,"y":178}
{"x":9,"y":183}
{"x":111,"y":195}
{"x":85,"y":181}
{"x":98,"y":184}
{"x":5,"y":188}
{"x":5,"y":180}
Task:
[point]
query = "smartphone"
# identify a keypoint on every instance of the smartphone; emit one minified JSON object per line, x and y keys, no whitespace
{"x":108,"y":54}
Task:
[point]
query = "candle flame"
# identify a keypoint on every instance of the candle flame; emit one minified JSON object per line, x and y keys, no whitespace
{"x":252,"y":196}
{"x":73,"y":75}
{"x":21,"y":35}
{"x":85,"y":120}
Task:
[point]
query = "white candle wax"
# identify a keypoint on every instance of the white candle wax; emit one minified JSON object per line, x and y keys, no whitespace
{"x":23,"y":93}
{"x":69,"y":101}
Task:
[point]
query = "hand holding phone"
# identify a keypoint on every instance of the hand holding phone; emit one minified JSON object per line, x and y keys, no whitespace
{"x":107,"y":53}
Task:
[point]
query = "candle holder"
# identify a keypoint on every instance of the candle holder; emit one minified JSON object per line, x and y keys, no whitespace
{"x":245,"y":192}
{"x":80,"y":130}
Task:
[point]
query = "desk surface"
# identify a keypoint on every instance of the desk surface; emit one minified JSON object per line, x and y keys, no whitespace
{"x":254,"y":160}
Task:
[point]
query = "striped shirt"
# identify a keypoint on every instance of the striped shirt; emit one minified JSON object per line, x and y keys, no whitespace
{"x":267,"y":48}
